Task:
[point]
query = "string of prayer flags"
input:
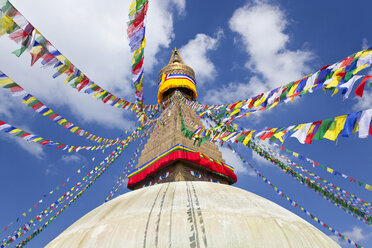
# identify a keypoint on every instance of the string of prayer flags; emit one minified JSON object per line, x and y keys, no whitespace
{"x":124,"y":174}
{"x":293,"y":203}
{"x":34,"y":103}
{"x":86,"y":182}
{"x":137,"y":42}
{"x":340,"y":76}
{"x":79,"y":189}
{"x":29,"y":137}
{"x":21,"y":31}
{"x":305,"y":133}
{"x":343,"y":194}
{"x":326,"y":194}
{"x":108,"y":159}
{"x":325,"y":168}
{"x":42,"y":200}
{"x":348,"y":197}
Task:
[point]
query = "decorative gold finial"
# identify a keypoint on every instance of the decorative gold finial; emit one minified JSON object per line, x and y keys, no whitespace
{"x":176,"y":66}
{"x":176,"y":57}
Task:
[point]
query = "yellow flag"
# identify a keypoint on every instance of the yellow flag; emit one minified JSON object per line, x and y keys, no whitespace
{"x":330,"y":170}
{"x":369,"y":187}
{"x":36,"y":49}
{"x":292,"y":90}
{"x":273,"y":105}
{"x":61,"y":121}
{"x":235,"y":112}
{"x":132,"y":8}
{"x":335,"y":92}
{"x":260,"y":101}
{"x":356,"y":127}
{"x":228,"y":136}
{"x":48,"y":112}
{"x":248,"y":138}
{"x":239,"y":105}
{"x":360,"y":68}
{"x":74,"y":129}
{"x":6,"y":24}
{"x":28,"y":101}
{"x":361,"y":54}
{"x":36,"y":140}
{"x":5,"y":81}
{"x":15,"y":130}
{"x":279,"y":135}
{"x":69,"y":78}
{"x":332,"y":133}
{"x":333,"y":83}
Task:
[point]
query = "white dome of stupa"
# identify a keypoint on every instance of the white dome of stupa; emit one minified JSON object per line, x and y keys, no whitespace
{"x":191,"y":214}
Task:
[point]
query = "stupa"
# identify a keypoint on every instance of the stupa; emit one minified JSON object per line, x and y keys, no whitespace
{"x":182,"y":194}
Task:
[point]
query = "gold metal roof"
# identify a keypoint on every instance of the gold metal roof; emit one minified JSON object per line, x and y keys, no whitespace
{"x":176,"y":66}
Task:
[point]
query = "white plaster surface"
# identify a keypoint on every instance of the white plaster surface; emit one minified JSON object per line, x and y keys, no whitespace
{"x":191,"y":214}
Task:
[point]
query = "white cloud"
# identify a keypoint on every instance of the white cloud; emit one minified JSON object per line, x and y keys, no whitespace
{"x":181,"y":6}
{"x":95,"y":41}
{"x":261,"y":28}
{"x":365,"y":102}
{"x":30,"y":147}
{"x":71,"y":158}
{"x":356,"y":234}
{"x":234,"y":160}
{"x":194,"y":54}
{"x":233,"y":92}
{"x":50,"y":170}
{"x":8,"y":104}
{"x":365,"y":44}
{"x":10,"y":110}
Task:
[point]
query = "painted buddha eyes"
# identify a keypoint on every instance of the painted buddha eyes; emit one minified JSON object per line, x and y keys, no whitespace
{"x":195,"y":174}
{"x":164,"y":176}
{"x":200,"y":175}
{"x":148,"y":184}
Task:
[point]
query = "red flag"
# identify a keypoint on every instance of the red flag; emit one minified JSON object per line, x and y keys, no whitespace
{"x":359,"y":90}
{"x":347,"y":61}
{"x":18,"y":35}
{"x":138,"y":67}
{"x":37,"y":106}
{"x":83,"y":83}
{"x":324,"y":67}
{"x":24,"y":135}
{"x":309,"y":137}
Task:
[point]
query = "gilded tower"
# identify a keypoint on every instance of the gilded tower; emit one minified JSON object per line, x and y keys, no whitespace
{"x":168,"y":155}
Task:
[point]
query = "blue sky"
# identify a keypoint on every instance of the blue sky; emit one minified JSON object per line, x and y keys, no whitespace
{"x":237,"y":50}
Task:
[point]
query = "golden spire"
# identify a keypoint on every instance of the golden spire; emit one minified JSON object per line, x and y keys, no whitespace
{"x":176,"y":57}
{"x":176,"y":66}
